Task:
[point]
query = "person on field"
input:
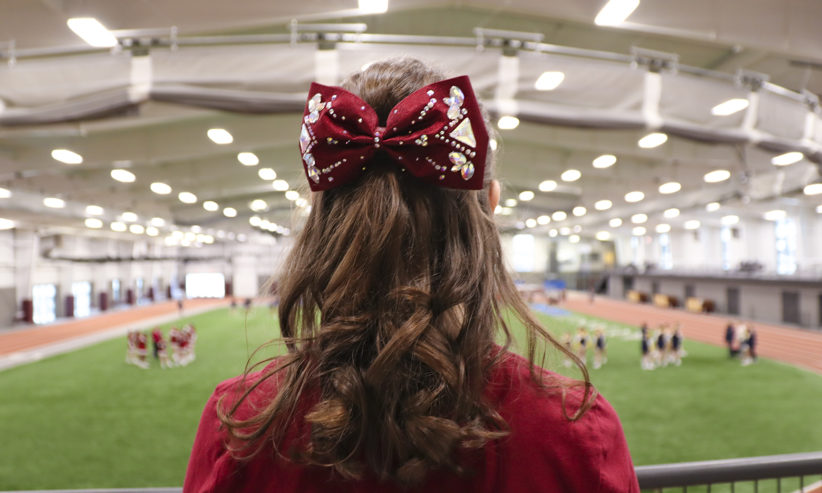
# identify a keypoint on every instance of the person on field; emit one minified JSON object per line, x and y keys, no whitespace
{"x":393,"y":306}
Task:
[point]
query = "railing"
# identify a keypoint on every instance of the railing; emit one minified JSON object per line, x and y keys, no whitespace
{"x":731,"y":471}
{"x":709,"y":474}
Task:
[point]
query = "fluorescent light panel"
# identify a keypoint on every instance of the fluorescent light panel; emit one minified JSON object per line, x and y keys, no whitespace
{"x":549,"y":81}
{"x":54,"y":202}
{"x":6,"y":223}
{"x":508,"y":122}
{"x":220,"y":136}
{"x":604,"y":161}
{"x":160,"y":188}
{"x":92,"y":32}
{"x":652,"y":140}
{"x":570,"y":175}
{"x":615,"y":12}
{"x":248,"y":159}
{"x":787,"y":159}
{"x":547,"y":186}
{"x":66,"y":156}
{"x":730,"y":107}
{"x":526,"y":195}
{"x":716,"y":176}
{"x":280,"y":185}
{"x":373,"y":6}
{"x":123,"y":175}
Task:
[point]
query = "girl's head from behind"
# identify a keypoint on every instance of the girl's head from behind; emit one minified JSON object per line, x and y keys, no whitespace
{"x":391,"y":301}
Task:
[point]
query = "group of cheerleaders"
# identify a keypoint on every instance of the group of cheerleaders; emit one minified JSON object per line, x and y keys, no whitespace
{"x":578,"y":345}
{"x":182,"y":347}
{"x":661,"y":347}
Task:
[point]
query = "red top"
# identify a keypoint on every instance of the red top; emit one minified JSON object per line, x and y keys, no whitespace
{"x":544,"y":452}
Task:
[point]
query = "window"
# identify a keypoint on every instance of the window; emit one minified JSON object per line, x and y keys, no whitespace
{"x":785,"y":246}
{"x":44,"y":301}
{"x":205,"y":285}
{"x":725,"y":251}
{"x":82,"y":298}
{"x":635,"y":250}
{"x":523,"y":252}
{"x":666,"y":258}
{"x":115,"y":290}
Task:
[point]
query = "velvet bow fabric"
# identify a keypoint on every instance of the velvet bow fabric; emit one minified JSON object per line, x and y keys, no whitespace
{"x":437,"y":134}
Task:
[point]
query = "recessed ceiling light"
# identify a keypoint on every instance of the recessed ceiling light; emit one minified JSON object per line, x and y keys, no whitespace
{"x":292,"y":195}
{"x":373,"y":6}
{"x":603,"y":235}
{"x":577,"y":228}
{"x":92,"y":32}
{"x":543,"y":220}
{"x":196,"y":228}
{"x":638,"y":231}
{"x":615,"y":222}
{"x":507,"y":211}
{"x":663,"y":228}
{"x":603,"y":205}
{"x":729,"y":220}
{"x":652,"y":140}
{"x":6,"y":223}
{"x":671,"y":213}
{"x":220,"y":136}
{"x":118,"y":226}
{"x":553,"y":233}
{"x":635,"y":196}
{"x":559,"y":216}
{"x":54,"y":202}
{"x":123,"y":175}
{"x":530,"y":223}
{"x":639,"y":218}
{"x":128,"y":217}
{"x":211,"y":206}
{"x":66,"y":156}
{"x":248,"y":159}
{"x":565,"y":231}
{"x":787,"y":159}
{"x":5,"y":193}
{"x":258,"y":205}
{"x":615,"y":12}
{"x":570,"y":175}
{"x":187,"y":197}
{"x":94,"y":210}
{"x":137,"y":229}
{"x":508,"y":122}
{"x":526,"y":195}
{"x":152,"y":231}
{"x":510,"y":202}
{"x":730,"y":107}
{"x":812,"y":189}
{"x":255,"y":221}
{"x":712,"y":206}
{"x":547,"y":186}
{"x":280,"y":185}
{"x":157,"y":222}
{"x":604,"y":161}
{"x":267,"y":174}
{"x":775,"y":215}
{"x":716,"y":176}
{"x":579,"y":211}
{"x":573,"y":238}
{"x":692,"y":224}
{"x":93,"y":223}
{"x":549,"y":81}
{"x":230,"y":212}
{"x":160,"y":188}
{"x":670,"y":187}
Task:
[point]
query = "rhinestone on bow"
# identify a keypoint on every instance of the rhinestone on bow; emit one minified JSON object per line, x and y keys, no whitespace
{"x":305,"y":139}
{"x":315,"y":105}
{"x":461,"y":164}
{"x":312,"y":170}
{"x":464,"y":133}
{"x":454,"y":102}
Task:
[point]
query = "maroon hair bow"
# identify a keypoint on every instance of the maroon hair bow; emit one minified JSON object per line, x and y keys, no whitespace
{"x":437,"y":134}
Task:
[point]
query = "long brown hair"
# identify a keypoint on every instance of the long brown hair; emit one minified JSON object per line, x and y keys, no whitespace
{"x":390,"y":302}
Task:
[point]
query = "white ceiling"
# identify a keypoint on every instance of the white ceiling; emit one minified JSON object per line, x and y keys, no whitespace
{"x":166,"y":142}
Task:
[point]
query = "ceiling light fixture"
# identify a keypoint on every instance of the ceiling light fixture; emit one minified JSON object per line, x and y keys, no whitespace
{"x":543,"y":220}
{"x":729,"y":220}
{"x":248,"y":159}
{"x":160,"y":188}
{"x":267,"y":174}
{"x":137,"y":229}
{"x":548,"y":186}
{"x":635,"y":196}
{"x":54,"y":202}
{"x":604,"y":161}
{"x":220,"y":136}
{"x":559,"y":216}
{"x":775,"y":215}
{"x":258,"y":205}
{"x":638,"y":231}
{"x":66,"y":156}
{"x":94,"y":210}
{"x":787,"y":159}
{"x":553,"y":233}
{"x":671,"y":213}
{"x":187,"y":197}
{"x":157,"y":222}
{"x":730,"y":107}
{"x":531,"y":223}
{"x":493,"y":144}
{"x":573,"y":238}
{"x":615,"y":222}
{"x":508,"y":122}
{"x":549,"y":81}
{"x":123,"y":175}
{"x":639,"y":218}
{"x":652,"y":140}
{"x":280,"y":185}
{"x":603,"y":235}
{"x":670,"y":187}
{"x":716,"y":176}
{"x":292,"y":195}
{"x":373,"y":6}
{"x":692,"y":224}
{"x":5,"y":193}
{"x":526,"y":195}
{"x":93,"y":223}
{"x":663,"y":228}
{"x":603,"y":205}
{"x":211,"y":206}
{"x":92,"y":32}
{"x":118,"y":226}
{"x":579,"y":211}
{"x":615,"y":12}
{"x":128,"y":217}
{"x":230,"y":212}
{"x":712,"y":206}
{"x":510,"y":202}
{"x":6,"y":223}
{"x":570,"y":175}
{"x":152,"y":231}
{"x":565,"y":231}
{"x":812,"y":189}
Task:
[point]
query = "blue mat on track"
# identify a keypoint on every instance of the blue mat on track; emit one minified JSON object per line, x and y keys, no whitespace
{"x":550,"y":310}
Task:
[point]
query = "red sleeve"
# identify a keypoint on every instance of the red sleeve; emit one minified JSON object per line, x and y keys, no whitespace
{"x":616,"y":470}
{"x":209,"y":457}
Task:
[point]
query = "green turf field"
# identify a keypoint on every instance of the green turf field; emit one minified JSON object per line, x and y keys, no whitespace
{"x":86,"y":419}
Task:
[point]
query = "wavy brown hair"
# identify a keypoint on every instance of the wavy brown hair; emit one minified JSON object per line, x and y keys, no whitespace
{"x":390,"y":303}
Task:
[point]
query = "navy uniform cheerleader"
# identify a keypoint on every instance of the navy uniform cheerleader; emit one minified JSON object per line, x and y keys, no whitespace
{"x":676,"y":346}
{"x":647,"y":362}
{"x":600,"y":354}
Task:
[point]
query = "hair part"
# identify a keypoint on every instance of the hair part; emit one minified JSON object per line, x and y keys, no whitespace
{"x":390,"y":302}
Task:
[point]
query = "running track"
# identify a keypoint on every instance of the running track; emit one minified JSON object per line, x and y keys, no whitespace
{"x":798,"y":347}
{"x":33,"y":337}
